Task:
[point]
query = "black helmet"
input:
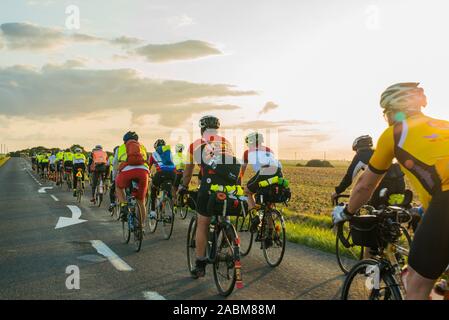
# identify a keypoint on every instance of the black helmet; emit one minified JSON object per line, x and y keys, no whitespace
{"x":130,"y":135}
{"x":362,"y":142}
{"x":158,"y":143}
{"x":209,"y":122}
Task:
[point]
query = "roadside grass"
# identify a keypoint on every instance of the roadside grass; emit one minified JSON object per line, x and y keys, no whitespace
{"x":3,"y":160}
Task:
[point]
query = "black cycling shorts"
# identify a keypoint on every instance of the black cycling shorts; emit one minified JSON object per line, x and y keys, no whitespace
{"x":162,"y":176}
{"x":68,"y":165}
{"x":429,"y":253}
{"x":178,"y":179}
{"x":253,"y":183}
{"x":52,"y":167}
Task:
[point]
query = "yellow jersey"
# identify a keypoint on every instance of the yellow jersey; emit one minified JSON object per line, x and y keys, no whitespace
{"x":421,"y":146}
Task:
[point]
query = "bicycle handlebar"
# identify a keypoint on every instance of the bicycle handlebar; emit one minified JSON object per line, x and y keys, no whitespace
{"x":335,"y":202}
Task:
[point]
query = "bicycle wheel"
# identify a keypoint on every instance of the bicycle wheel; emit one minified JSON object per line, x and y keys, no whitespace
{"x":347,"y":257}
{"x":191,"y":244}
{"x":126,"y":232}
{"x":224,"y":263}
{"x":182,"y":207}
{"x":79,"y":192}
{"x":243,"y":226}
{"x":152,"y":222}
{"x":138,"y":234}
{"x":273,"y":241}
{"x":366,"y":281}
{"x":167,"y":217}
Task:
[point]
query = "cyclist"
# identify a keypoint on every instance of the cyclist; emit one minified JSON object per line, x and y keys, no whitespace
{"x":179,"y":160}
{"x":165,"y":170}
{"x":52,"y":164}
{"x":68,"y":161}
{"x":421,"y":146}
{"x":263,"y":162}
{"x":79,"y":162}
{"x":38,"y":162}
{"x":33,"y":161}
{"x":97,"y":166}
{"x":113,"y":165}
{"x":59,"y":165}
{"x":393,"y":181}
{"x":202,"y":152}
{"x":131,"y":158}
{"x":44,"y":162}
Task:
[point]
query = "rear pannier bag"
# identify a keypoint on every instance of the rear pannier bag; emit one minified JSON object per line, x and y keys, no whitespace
{"x":234,"y":204}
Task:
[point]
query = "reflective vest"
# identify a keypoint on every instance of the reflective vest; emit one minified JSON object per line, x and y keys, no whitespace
{"x":68,"y":156}
{"x":79,"y":158}
{"x":122,"y":156}
{"x":99,"y":156}
{"x":59,"y":156}
{"x":180,"y":161}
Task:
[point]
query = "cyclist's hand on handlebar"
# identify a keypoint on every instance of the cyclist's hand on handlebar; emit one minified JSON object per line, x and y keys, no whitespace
{"x":340,"y":214}
{"x":182,"y":188}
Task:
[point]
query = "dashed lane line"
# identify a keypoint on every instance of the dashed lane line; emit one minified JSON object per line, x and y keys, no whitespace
{"x":113,"y":258}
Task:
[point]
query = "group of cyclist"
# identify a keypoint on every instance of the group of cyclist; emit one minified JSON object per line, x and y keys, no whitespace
{"x":419,"y":144}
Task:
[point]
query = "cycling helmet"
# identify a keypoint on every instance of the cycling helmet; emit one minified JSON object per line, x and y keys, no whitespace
{"x":209,"y":122}
{"x":67,"y":150}
{"x":78,"y":150}
{"x":98,"y":147}
{"x":179,"y":147}
{"x":158,"y":143}
{"x":403,"y":97}
{"x":130,"y":135}
{"x":362,"y":142}
{"x":254,"y":138}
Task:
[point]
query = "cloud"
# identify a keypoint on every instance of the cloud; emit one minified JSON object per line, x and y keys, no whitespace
{"x":269,"y":106}
{"x":180,"y":21}
{"x":186,"y":50}
{"x":314,"y":137}
{"x":284,"y":125}
{"x":21,"y":36}
{"x":126,"y":42}
{"x":66,"y":90}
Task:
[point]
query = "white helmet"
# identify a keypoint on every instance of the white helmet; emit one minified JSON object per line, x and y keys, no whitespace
{"x":179,"y":147}
{"x":254,"y":138}
{"x":78,"y":150}
{"x":405,"y":96}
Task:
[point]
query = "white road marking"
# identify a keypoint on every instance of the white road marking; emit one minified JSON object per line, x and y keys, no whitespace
{"x":152,"y":295}
{"x":75,"y":219}
{"x":113,"y":258}
{"x":31,"y":175}
{"x":42,"y":190}
{"x":54,"y":198}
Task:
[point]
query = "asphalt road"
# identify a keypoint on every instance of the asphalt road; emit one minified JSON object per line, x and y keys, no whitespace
{"x":34,"y":256}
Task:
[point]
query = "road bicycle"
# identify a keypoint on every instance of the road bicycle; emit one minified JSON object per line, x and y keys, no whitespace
{"x":222,"y":249}
{"x":132,"y":224}
{"x":379,"y":277}
{"x":347,"y":252}
{"x":99,"y":191}
{"x":68,"y":178}
{"x":266,"y":225}
{"x":79,"y":185}
{"x":164,"y":210}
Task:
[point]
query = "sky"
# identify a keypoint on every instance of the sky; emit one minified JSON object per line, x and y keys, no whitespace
{"x":308,"y":74}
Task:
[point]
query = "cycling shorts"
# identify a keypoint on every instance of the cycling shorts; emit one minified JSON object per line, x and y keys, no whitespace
{"x":429,"y":253}
{"x":124,"y":179}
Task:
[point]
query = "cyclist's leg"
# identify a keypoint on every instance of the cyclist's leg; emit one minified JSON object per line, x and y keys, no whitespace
{"x":142,"y":179}
{"x":429,"y":253}
{"x":251,"y":189}
{"x":122,"y":181}
{"x":202,"y":228}
{"x":96,"y":176}
{"x":155,"y":183}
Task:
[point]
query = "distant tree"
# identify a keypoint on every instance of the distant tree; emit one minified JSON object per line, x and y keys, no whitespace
{"x":319,"y":164}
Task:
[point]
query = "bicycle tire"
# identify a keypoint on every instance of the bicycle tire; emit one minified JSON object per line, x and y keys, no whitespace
{"x":184,"y":208}
{"x":346,"y":263}
{"x":126,"y":232}
{"x":243,"y":225}
{"x":392,"y":291}
{"x":152,"y":222}
{"x":168,"y":218}
{"x":138,"y":232}
{"x":191,"y":244}
{"x":279,"y":238}
{"x":227,"y":240}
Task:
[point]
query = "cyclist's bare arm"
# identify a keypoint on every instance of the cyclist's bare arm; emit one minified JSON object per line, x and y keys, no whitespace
{"x":188,"y":173}
{"x":363,"y":190}
{"x":242,"y":170}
